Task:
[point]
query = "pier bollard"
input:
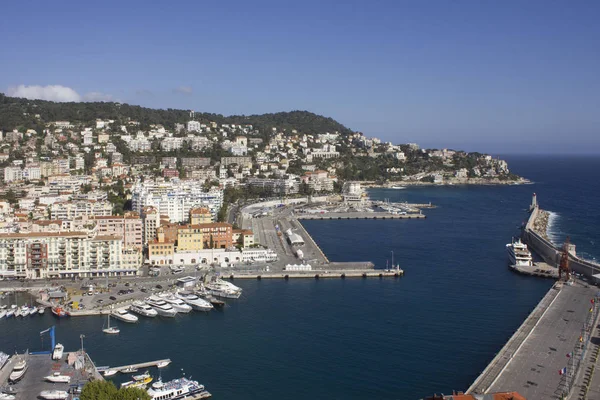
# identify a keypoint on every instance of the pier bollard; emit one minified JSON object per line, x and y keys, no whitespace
{"x":343,"y":276}
{"x":231,"y":276}
{"x":317,"y":276}
{"x":364,"y":275}
{"x":286,"y":277}
{"x":259,"y":277}
{"x":380,"y":275}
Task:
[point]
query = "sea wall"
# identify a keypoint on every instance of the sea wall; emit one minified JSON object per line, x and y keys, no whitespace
{"x":550,"y":253}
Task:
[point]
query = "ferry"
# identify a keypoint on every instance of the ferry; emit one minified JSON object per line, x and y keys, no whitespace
{"x":138,"y":383}
{"x":58,"y":351}
{"x":178,"y":389}
{"x":143,"y":309}
{"x":518,"y":254}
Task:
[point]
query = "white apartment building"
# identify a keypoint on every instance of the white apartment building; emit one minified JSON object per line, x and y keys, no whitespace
{"x":175,"y":199}
{"x":194,"y":126}
{"x":73,"y":209}
{"x":64,"y":255}
{"x":12,"y":174}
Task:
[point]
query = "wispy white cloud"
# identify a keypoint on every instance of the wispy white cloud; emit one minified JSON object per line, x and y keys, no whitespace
{"x":50,"y":92}
{"x":55,"y":93}
{"x":184,"y":90}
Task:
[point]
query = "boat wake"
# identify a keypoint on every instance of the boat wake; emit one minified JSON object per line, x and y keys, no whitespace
{"x":554,"y":234}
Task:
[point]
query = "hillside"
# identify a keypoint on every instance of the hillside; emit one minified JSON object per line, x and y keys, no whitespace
{"x":19,"y":112}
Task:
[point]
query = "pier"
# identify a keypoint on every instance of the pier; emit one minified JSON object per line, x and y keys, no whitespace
{"x":360,"y":215}
{"x":141,"y":365}
{"x":339,"y":274}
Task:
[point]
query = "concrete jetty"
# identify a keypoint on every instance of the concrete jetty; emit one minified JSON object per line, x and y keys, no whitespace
{"x":141,"y":365}
{"x":360,"y":215}
{"x":340,"y":274}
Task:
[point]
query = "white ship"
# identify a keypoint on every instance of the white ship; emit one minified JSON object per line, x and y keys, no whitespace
{"x":196,"y":302}
{"x":143,"y":309}
{"x":177,"y":389}
{"x":222,"y":288}
{"x":519,"y":254}
{"x":54,"y":394}
{"x":178,"y":304}
{"x":58,"y":378}
{"x":122,"y":315}
{"x":162,"y":307}
{"x":58,"y":351}
{"x":18,"y":371}
{"x":7,"y":396}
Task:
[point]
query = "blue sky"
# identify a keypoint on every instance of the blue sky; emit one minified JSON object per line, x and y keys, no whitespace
{"x":496,"y":76}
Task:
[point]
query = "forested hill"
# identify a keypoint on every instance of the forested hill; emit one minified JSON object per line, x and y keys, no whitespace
{"x":21,"y":113}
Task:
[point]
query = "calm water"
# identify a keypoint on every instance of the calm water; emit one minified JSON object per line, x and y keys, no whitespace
{"x":432,"y":331}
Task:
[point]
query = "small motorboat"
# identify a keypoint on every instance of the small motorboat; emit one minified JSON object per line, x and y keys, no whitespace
{"x":57,"y":377}
{"x":10,"y":313}
{"x":41,"y":310}
{"x":7,"y":396}
{"x":2,"y":314}
{"x":33,"y":310}
{"x":110,"y":372}
{"x":129,"y":370}
{"x":54,"y":394}
{"x":137,"y":383}
{"x":141,"y":377}
{"x":59,"y":312}
{"x":58,"y":351}
{"x":163,"y":364}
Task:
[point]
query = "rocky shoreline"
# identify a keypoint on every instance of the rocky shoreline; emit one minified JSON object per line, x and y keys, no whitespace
{"x":540,"y":225}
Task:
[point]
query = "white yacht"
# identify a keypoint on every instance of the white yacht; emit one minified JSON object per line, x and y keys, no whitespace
{"x":177,"y":304}
{"x":177,"y":389}
{"x":2,"y":314}
{"x":110,"y":372}
{"x":163,"y":308}
{"x":122,"y":315}
{"x":24,"y":311}
{"x":58,"y":378}
{"x":7,"y":396}
{"x":33,"y":310}
{"x":518,"y":254}
{"x":196,"y":302}
{"x":54,"y":394}
{"x":58,"y":351}
{"x":222,"y":288}
{"x":10,"y":313}
{"x":143,"y":309}
{"x":18,"y":371}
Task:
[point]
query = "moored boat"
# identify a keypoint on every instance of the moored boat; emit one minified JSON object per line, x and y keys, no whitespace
{"x":111,"y":330}
{"x":194,"y":301}
{"x":163,"y":364}
{"x":162,"y":307}
{"x":18,"y":371}
{"x":143,"y":309}
{"x":41,"y":310}
{"x":518,"y":254}
{"x":110,"y":372}
{"x":7,"y":396}
{"x":57,"y":377}
{"x":178,"y":304}
{"x":223,"y":288}
{"x":176,"y":389}
{"x":59,"y":312}
{"x":57,"y":353}
{"x":54,"y":394}
{"x":122,"y":315}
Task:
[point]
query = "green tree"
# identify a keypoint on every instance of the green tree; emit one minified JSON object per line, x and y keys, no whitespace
{"x":99,"y":390}
{"x":106,"y":390}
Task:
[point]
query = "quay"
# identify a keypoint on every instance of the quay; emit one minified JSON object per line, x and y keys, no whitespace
{"x":141,"y":365}
{"x":340,"y":274}
{"x":359,"y":215}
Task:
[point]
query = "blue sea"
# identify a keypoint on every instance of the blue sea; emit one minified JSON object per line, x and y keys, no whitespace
{"x":434,"y":330}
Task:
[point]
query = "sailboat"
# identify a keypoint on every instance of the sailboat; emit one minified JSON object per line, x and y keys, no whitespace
{"x":111,"y":330}
{"x":396,"y":267}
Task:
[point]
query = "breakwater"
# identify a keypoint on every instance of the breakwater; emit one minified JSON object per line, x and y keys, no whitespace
{"x":537,"y":239}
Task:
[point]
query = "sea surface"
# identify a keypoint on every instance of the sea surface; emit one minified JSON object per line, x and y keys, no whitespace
{"x":434,"y":330}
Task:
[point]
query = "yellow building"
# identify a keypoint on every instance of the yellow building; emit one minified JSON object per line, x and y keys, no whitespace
{"x":200,"y":215}
{"x":161,"y":247}
{"x":189,"y":239}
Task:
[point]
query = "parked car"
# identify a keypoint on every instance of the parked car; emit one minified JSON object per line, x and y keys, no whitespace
{"x":159,"y":286}
{"x":112,"y":298}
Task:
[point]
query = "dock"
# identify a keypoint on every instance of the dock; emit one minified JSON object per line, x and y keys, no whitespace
{"x":142,"y":365}
{"x":340,"y":274}
{"x":359,"y":215}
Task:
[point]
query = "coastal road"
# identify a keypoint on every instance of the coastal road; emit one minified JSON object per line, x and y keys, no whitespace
{"x":534,"y":369}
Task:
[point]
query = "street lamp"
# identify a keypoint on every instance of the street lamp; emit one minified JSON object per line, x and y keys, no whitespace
{"x":81,"y":337}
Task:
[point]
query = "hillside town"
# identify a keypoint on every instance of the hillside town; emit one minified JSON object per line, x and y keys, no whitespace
{"x":104,"y":198}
